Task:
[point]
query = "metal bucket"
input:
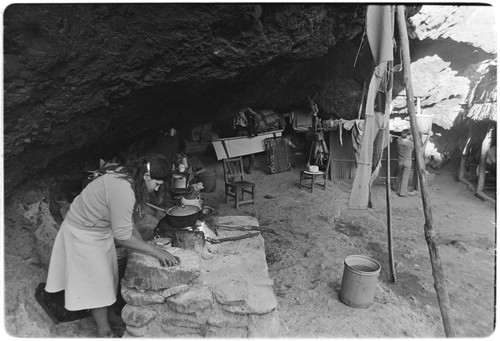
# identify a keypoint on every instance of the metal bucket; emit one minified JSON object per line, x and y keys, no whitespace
{"x":359,"y":280}
{"x":424,"y":123}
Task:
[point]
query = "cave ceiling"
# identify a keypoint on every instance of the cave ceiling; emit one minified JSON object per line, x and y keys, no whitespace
{"x":97,"y":76}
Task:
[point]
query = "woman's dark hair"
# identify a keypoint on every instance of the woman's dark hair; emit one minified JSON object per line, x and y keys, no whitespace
{"x":157,"y":167}
{"x":405,"y":133}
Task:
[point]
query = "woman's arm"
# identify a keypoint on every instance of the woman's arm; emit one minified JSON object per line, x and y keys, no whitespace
{"x":137,"y":244}
{"x":136,"y":233}
{"x":121,"y":205}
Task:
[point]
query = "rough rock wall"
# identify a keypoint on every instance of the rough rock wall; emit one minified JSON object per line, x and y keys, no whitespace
{"x":451,"y":45}
{"x":451,"y":49}
{"x":95,"y":77}
{"x":100,"y":74}
{"x":472,"y":25}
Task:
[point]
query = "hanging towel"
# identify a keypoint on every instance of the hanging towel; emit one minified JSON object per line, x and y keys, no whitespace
{"x":380,"y":23}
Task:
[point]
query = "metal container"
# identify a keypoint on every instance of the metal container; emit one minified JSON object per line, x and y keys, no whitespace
{"x":183,"y":216}
{"x":198,"y":202}
{"x":359,"y":281}
{"x":178,"y":181}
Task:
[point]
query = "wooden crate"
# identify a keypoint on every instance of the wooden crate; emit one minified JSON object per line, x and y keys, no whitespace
{"x":277,"y":154}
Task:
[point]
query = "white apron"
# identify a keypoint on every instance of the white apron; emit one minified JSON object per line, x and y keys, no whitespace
{"x":84,"y":264}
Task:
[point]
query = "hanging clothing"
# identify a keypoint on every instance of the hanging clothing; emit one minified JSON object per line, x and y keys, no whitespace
{"x":380,"y":31}
{"x":380,"y":25}
{"x":357,"y":137}
{"x":360,"y":190}
{"x":240,"y":120}
{"x":248,"y":120}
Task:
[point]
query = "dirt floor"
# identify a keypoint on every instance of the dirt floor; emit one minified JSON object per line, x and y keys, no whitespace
{"x":315,"y":232}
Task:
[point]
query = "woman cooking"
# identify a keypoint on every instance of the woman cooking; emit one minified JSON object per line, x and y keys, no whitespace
{"x":83,"y":260}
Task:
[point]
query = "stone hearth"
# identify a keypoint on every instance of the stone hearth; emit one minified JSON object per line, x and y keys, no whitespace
{"x":222,"y":290}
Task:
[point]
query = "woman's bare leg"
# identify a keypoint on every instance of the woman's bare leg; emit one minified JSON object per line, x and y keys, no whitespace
{"x":101,"y":319}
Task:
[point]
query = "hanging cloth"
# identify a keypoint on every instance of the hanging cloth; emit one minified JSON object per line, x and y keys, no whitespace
{"x":357,"y":136}
{"x":380,"y":32}
{"x":380,"y":24}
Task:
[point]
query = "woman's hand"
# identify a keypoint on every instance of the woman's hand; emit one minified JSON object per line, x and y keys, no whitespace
{"x":166,"y":258}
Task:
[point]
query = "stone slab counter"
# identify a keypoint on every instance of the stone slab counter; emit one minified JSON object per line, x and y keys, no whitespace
{"x":224,"y":290}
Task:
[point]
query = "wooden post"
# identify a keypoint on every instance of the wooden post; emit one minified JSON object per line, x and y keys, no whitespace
{"x":430,"y":234}
{"x":425,"y":137}
{"x":362,"y":100}
{"x":389,"y":212}
{"x":387,"y":113}
{"x":463,"y":161}
{"x":415,"y":172}
{"x":463,"y":156}
{"x":482,"y":161}
{"x":485,"y":146}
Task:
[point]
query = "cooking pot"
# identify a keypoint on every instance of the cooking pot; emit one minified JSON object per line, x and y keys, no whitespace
{"x":183,"y":216}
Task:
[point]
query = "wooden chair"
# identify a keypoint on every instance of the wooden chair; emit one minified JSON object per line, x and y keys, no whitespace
{"x":235,"y":185}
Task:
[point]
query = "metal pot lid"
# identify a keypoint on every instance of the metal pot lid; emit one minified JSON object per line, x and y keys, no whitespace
{"x":181,"y":211}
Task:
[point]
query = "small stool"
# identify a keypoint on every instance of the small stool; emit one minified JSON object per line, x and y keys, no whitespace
{"x":318,"y":179}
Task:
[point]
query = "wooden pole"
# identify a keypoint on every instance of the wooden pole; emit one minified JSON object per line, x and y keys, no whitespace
{"x":465,"y":152}
{"x":485,"y":146}
{"x":389,"y":213}
{"x":387,"y":114}
{"x":362,"y":100}
{"x":463,"y":163}
{"x":482,"y":161}
{"x":430,"y":234}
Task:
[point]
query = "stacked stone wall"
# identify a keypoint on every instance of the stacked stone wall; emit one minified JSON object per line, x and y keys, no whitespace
{"x":222,"y":291}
